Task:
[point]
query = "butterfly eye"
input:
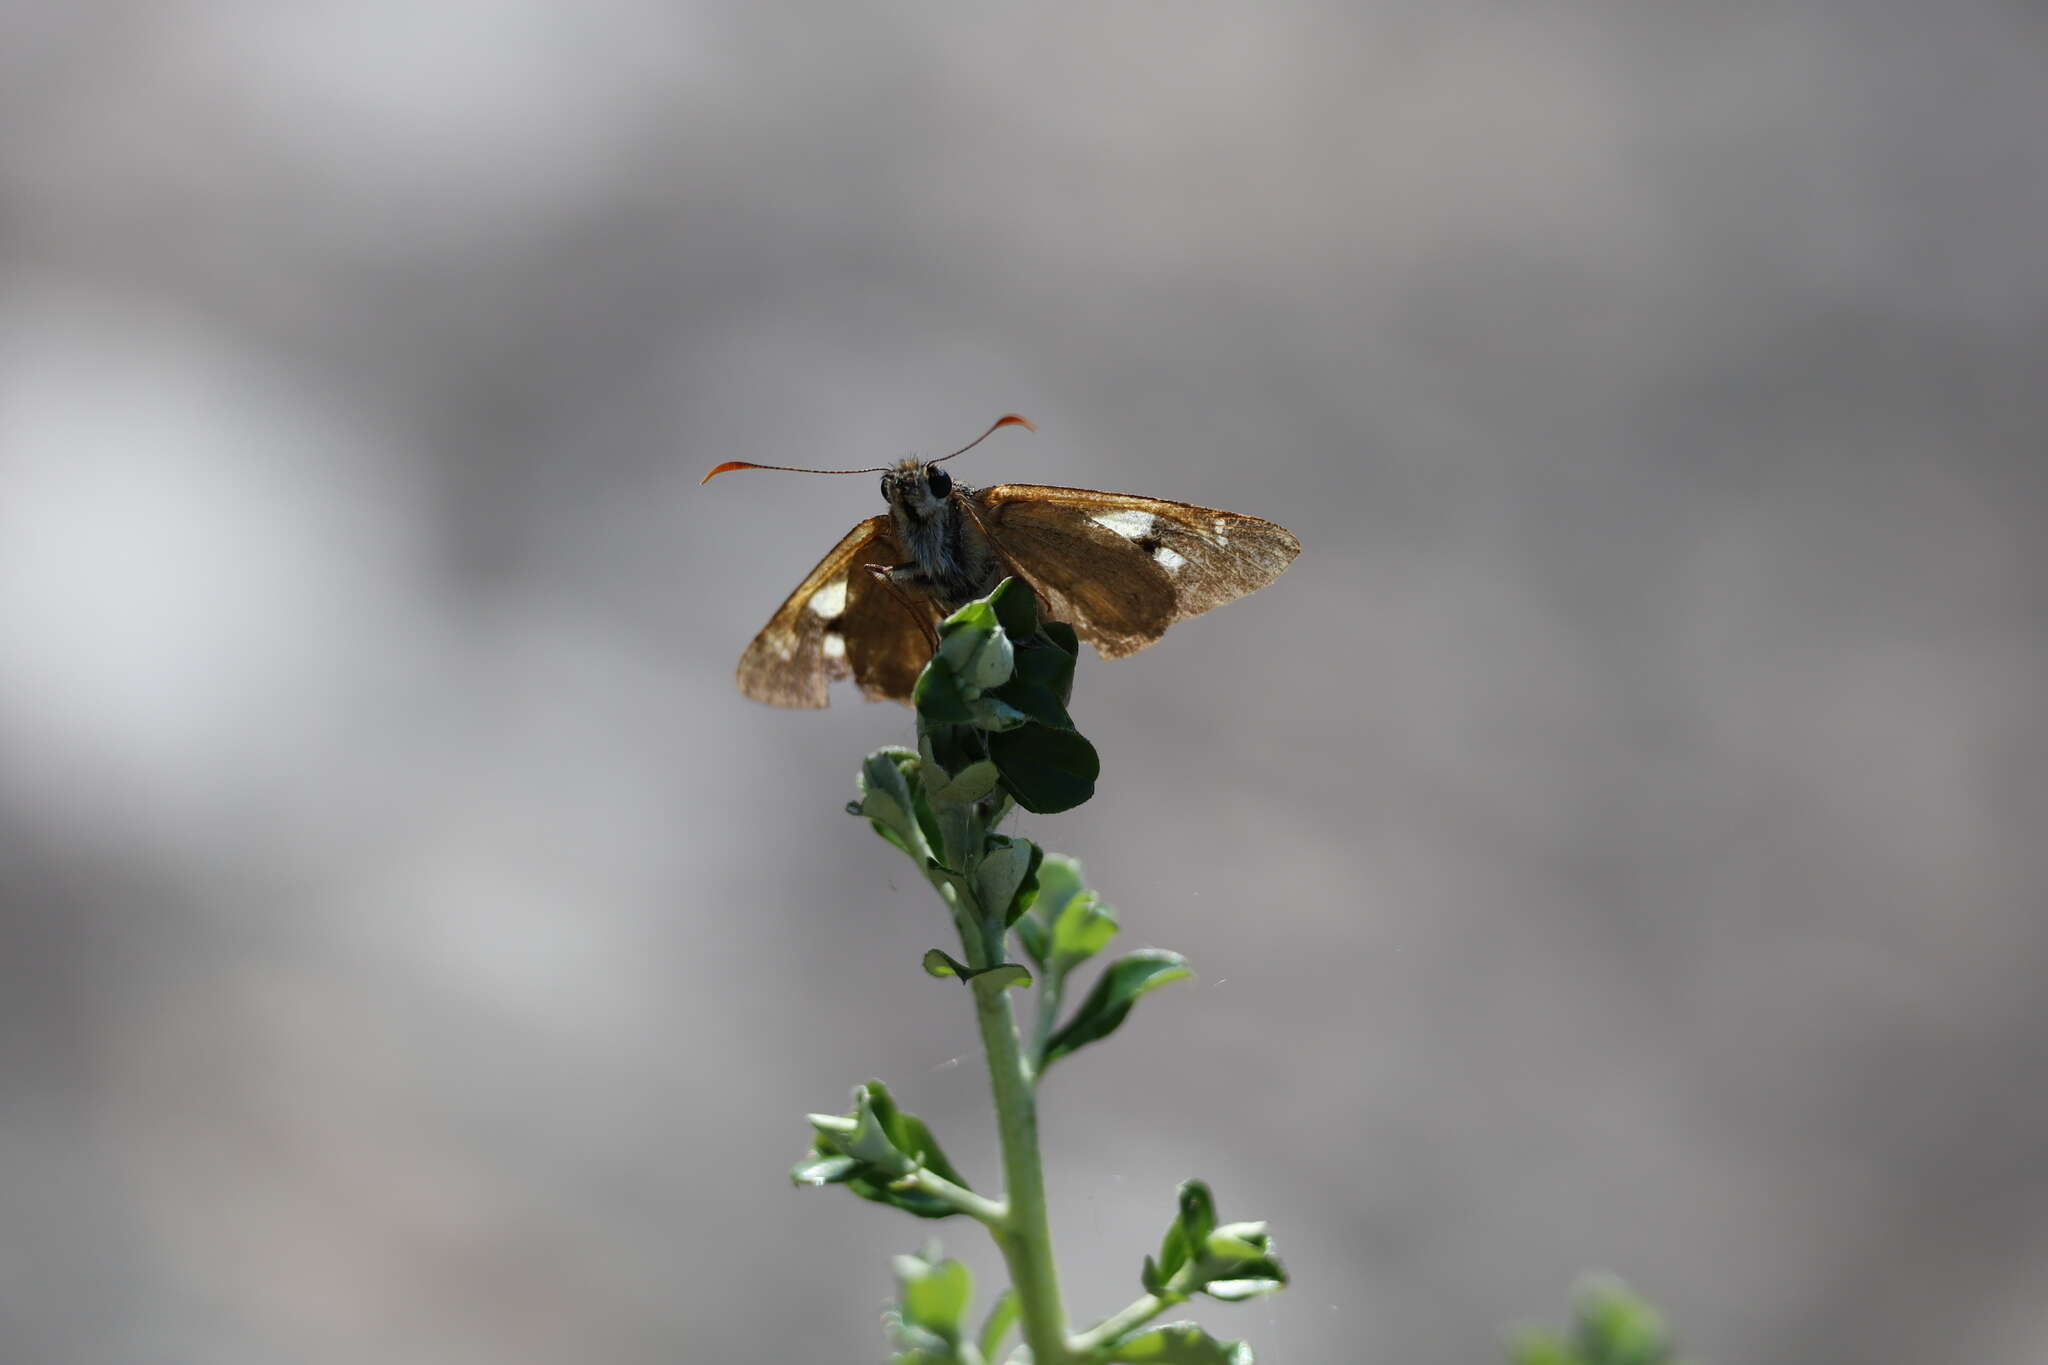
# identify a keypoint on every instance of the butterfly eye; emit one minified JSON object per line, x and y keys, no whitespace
{"x":885,"y":488}
{"x":938,"y":480}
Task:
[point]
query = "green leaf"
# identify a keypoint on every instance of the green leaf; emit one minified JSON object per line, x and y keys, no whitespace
{"x":1232,"y":1262}
{"x":934,"y":1296}
{"x":1047,"y":771}
{"x":938,"y":697}
{"x":1059,"y":881}
{"x":1194,"y":1217}
{"x":992,"y":664}
{"x":1268,"y":1279}
{"x":885,"y":1144}
{"x":1034,"y":702}
{"x":1001,"y":1319}
{"x":1002,"y":976}
{"x":1042,"y":661}
{"x":886,"y":799}
{"x":1612,"y":1325}
{"x":1002,"y":873}
{"x":824,"y":1170}
{"x":1197,"y":1211}
{"x":1034,"y":936}
{"x":1084,"y":928}
{"x":1617,"y":1327}
{"x":994,"y":715}
{"x":976,"y":618}
{"x":1540,"y":1346}
{"x":971,"y":783}
{"x":938,"y":962}
{"x":1016,"y":608}
{"x":1179,"y":1343}
{"x":1027,"y":890}
{"x":1115,"y":991}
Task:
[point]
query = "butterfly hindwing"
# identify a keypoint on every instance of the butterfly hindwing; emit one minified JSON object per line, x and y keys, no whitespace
{"x":1122,"y":568}
{"x":885,"y":635}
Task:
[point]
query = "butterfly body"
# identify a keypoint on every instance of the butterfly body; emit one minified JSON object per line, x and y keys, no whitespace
{"x":950,"y":558}
{"x":1118,"y":567}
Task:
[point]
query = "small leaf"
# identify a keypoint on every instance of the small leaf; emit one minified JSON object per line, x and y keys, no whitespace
{"x":935,"y":1297}
{"x":1002,"y":872}
{"x":1032,"y":935}
{"x":1540,"y":1346}
{"x":937,"y":696}
{"x":910,"y":1134}
{"x":1232,"y":1262}
{"x":824,"y":1170}
{"x":971,"y":783}
{"x":1153,"y":1277}
{"x":1179,"y":1343}
{"x":1034,"y":702}
{"x":992,"y":664}
{"x":1617,"y":1327}
{"x":1197,"y":1212}
{"x":994,"y":715}
{"x":885,"y":796}
{"x":1047,"y":771}
{"x":1270,"y":1280}
{"x":1016,"y":608}
{"x":885,"y":1144}
{"x":1059,"y":881}
{"x":1084,"y":928}
{"x":1001,"y":1319}
{"x":1002,"y":976}
{"x":938,"y":962}
{"x":976,"y":618}
{"x":1026,"y":890}
{"x":1115,"y":991}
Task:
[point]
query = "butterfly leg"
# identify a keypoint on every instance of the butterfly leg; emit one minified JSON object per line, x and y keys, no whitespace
{"x":887,"y":576}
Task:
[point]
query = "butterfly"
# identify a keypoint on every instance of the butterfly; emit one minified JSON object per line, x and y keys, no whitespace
{"x":1117,"y":567}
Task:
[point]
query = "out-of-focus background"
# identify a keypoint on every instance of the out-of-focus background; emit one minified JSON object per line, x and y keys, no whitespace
{"x":1618,"y":841}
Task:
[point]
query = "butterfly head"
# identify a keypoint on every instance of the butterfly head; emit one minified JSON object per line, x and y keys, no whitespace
{"x":917,"y":487}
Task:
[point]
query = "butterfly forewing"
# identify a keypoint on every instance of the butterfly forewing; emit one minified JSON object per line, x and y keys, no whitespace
{"x":1116,"y":597}
{"x":1126,"y":567}
{"x":803,"y":647}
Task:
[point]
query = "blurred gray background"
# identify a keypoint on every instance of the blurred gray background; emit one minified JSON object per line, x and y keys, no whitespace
{"x":1617,"y":842}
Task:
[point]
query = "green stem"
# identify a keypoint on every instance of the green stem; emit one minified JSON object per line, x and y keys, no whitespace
{"x":982,"y":1210}
{"x":1026,"y":1237}
{"x":1109,"y":1329}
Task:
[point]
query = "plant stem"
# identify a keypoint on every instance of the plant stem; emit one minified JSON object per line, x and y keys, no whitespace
{"x":1026,"y":1237}
{"x":1109,"y":1329}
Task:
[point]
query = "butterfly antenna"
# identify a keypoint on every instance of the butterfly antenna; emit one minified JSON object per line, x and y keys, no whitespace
{"x":1007,"y":420}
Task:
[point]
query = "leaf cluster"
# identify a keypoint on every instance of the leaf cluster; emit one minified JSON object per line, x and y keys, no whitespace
{"x":1611,"y":1325}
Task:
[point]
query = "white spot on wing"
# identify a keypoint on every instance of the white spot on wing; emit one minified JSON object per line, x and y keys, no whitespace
{"x":835,"y":645}
{"x":1131,"y":525}
{"x":830,"y":600}
{"x":1168,"y":560}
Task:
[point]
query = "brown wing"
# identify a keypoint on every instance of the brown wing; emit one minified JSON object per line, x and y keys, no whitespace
{"x":839,"y":622}
{"x":1122,"y":568}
